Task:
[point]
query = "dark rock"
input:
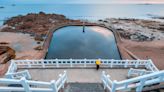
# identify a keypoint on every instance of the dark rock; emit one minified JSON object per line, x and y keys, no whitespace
{"x":39,"y":38}
{"x":38,"y":48}
{"x":36,"y":23}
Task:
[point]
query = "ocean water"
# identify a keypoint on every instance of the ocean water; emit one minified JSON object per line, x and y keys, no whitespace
{"x":85,"y":11}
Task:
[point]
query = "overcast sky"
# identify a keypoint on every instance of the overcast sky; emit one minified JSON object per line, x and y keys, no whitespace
{"x":78,"y":1}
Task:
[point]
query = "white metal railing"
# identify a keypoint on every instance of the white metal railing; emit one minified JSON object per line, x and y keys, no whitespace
{"x":33,"y":86}
{"x":138,"y":72}
{"x":151,"y":66}
{"x":18,"y":75}
{"x":60,"y":63}
{"x":137,"y":82}
{"x":12,"y":74}
{"x":107,"y":82}
{"x":12,"y":68}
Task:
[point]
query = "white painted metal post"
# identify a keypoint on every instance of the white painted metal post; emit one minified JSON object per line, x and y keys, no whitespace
{"x":9,"y":76}
{"x":114,"y":86}
{"x":62,"y":80}
{"x":161,"y":77}
{"x":103,"y":75}
{"x":25,"y":85}
{"x":137,"y":62}
{"x":85,"y":62}
{"x":28,"y":74}
{"x":57,"y":64}
{"x":126,"y":63}
{"x":140,"y":87}
{"x":29,"y":64}
{"x":43,"y":65}
{"x":129,"y":72}
{"x":15,"y":66}
{"x":107,"y":81}
{"x":65,"y":72}
{"x":71,"y":62}
{"x":111,"y":65}
{"x":53,"y":86}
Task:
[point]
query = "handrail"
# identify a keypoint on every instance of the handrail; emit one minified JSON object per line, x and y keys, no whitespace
{"x":37,"y":86}
{"x":107,"y":82}
{"x":12,"y":68}
{"x":151,"y":66}
{"x":137,"y":82}
{"x":60,"y":63}
{"x":138,"y":72}
{"x":18,"y":75}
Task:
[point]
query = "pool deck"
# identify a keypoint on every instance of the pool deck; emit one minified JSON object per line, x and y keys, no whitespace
{"x":77,"y":75}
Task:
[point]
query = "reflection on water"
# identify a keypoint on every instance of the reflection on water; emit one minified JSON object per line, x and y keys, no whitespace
{"x":71,"y":42}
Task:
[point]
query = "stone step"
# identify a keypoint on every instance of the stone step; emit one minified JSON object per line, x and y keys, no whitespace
{"x":84,"y":87}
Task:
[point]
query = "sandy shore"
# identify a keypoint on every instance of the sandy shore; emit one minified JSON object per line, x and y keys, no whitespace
{"x":147,"y":50}
{"x":23,"y":44}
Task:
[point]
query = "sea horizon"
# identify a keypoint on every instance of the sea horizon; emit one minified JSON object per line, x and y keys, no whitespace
{"x":84,"y":11}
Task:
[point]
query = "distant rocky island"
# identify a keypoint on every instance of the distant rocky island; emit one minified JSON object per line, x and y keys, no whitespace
{"x":155,"y":16}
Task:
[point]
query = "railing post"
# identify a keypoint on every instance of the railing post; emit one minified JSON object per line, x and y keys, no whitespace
{"x":85,"y":62}
{"x":43,"y":64}
{"x":126,"y":85}
{"x":25,"y":85}
{"x":15,"y":66}
{"x":65,"y":72}
{"x":154,"y":68}
{"x":62,"y":80}
{"x":28,"y":74}
{"x":129,"y":72}
{"x":71,"y":62}
{"x":161,"y":77}
{"x":111,"y":65}
{"x":57,"y":64}
{"x":137,"y":62}
{"x":142,"y":73}
{"x":103,"y":75}
{"x":29,"y":63}
{"x":141,"y":84}
{"x":54,"y":86}
{"x":126,"y":63}
{"x":9,"y":76}
{"x":114,"y":86}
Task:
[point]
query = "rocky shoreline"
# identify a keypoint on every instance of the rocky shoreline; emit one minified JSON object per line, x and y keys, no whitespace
{"x":35,"y":24}
{"x":143,"y":38}
{"x":137,"y":29}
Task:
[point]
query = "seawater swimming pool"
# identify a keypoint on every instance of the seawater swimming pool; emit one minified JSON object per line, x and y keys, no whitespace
{"x":72,"y":42}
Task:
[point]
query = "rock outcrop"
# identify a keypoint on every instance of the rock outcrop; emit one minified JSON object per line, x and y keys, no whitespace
{"x":35,"y":24}
{"x":6,"y":54}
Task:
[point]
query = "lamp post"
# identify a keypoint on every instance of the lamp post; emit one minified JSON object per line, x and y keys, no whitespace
{"x":83,"y":26}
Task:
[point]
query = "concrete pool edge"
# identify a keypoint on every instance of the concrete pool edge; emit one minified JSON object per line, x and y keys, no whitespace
{"x":53,"y":29}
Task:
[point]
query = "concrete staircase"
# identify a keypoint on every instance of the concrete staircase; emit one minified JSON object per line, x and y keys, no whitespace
{"x":84,"y":87}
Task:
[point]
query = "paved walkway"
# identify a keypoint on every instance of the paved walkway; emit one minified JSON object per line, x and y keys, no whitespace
{"x":78,"y":75}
